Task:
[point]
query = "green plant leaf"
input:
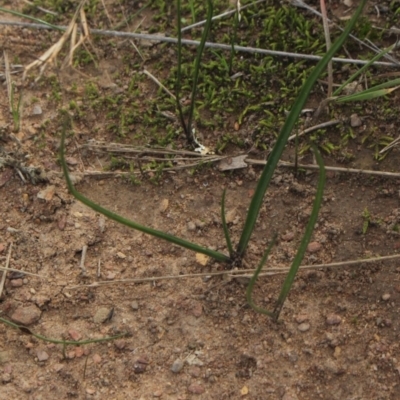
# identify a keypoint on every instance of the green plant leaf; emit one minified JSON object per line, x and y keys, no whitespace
{"x":287,"y":128}
{"x":131,"y":224}
{"x":225,"y":226}
{"x":287,"y":284}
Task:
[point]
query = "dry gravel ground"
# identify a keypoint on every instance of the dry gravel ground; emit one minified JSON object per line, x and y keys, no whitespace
{"x":338,"y":335}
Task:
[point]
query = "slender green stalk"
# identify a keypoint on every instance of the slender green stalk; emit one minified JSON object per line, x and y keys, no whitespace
{"x":362,"y":69}
{"x":376,"y":91}
{"x":236,"y":17}
{"x":27,"y":331}
{"x":250,"y":287}
{"x":287,"y":128}
{"x":305,"y":239}
{"x":179,"y":76}
{"x":131,"y":224}
{"x":225,"y":226}
{"x":197,"y":62}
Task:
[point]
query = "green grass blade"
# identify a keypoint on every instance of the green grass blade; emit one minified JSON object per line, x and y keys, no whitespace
{"x":131,"y":224}
{"x":38,"y":20}
{"x":199,"y":55}
{"x":287,"y":128}
{"x":306,"y":238}
{"x":225,"y":226}
{"x":253,"y":279}
{"x":363,"y":96}
{"x":361,"y":70}
{"x":179,"y":76}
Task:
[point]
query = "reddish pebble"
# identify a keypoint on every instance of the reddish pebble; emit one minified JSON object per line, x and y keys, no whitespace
{"x":16,"y":282}
{"x":333,"y":319}
{"x":75,"y":335}
{"x":313,"y":247}
{"x":42,"y":355}
{"x":196,"y":388}
{"x":78,"y":352}
{"x":97,"y":358}
{"x":120,"y":344}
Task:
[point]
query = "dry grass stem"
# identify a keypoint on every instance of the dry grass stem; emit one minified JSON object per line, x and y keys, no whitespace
{"x":157,"y":38}
{"x":246,"y":273}
{"x":154,"y":79}
{"x":3,"y":277}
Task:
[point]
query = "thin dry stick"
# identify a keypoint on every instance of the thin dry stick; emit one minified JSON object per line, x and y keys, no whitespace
{"x":83,"y":257}
{"x":167,"y":39}
{"x":22,"y":272}
{"x":153,"y":78}
{"x":315,"y":127}
{"x":3,"y":278}
{"x":236,"y":273}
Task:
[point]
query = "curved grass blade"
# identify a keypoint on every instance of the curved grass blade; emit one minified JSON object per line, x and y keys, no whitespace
{"x":363,"y":68}
{"x":375,"y":91}
{"x":131,"y":224}
{"x":287,"y":128}
{"x":27,"y":331}
{"x":225,"y":226}
{"x":253,"y":279}
{"x":287,"y":284}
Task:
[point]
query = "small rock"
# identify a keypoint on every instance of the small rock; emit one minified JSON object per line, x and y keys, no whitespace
{"x":6,"y":378}
{"x":195,"y":388}
{"x":158,"y":393}
{"x":90,"y":391}
{"x":79,"y":352}
{"x":231,"y":217}
{"x":191,"y":226}
{"x":37,"y":110}
{"x":313,"y":247}
{"x":74,"y":334}
{"x":301,"y":318}
{"x":16,"y":282}
{"x":333,"y":319}
{"x":47,"y":193}
{"x":197,"y":309}
{"x":121,"y":256}
{"x":58,"y":367}
{"x":355,"y":121}
{"x":71,"y":161}
{"x":177,"y":366}
{"x":288,"y":237}
{"x":304,"y":327}
{"x":96,"y":358}
{"x":140,"y":365}
{"x":120,"y":344}
{"x":385,"y":296}
{"x":164,"y":205}
{"x":135,"y":305}
{"x":348,"y":3}
{"x":102,"y":315}
{"x":111,"y":276}
{"x":26,"y":315}
{"x":42,"y":355}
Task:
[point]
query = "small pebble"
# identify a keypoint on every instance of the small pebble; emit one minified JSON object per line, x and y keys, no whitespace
{"x":333,"y":319}
{"x":42,"y":355}
{"x":304,"y":327}
{"x":385,"y":296}
{"x":355,"y":121}
{"x":313,"y":247}
{"x":195,"y":388}
{"x":135,"y":305}
{"x":177,"y":366}
{"x":102,"y":314}
{"x":16,"y":282}
{"x":191,"y":226}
